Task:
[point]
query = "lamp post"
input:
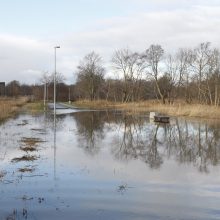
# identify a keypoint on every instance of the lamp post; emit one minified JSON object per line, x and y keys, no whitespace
{"x":69,"y":96}
{"x":45,"y":93}
{"x":54,"y":79}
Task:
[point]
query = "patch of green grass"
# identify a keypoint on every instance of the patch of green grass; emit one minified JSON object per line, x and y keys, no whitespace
{"x":34,"y":107}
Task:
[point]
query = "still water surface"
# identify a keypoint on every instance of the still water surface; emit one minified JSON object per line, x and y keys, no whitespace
{"x":107,"y":165}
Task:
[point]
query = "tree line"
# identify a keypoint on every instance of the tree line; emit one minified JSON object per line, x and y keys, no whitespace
{"x":189,"y":74}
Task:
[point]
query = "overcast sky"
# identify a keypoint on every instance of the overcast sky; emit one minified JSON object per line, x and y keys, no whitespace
{"x":29,"y":30}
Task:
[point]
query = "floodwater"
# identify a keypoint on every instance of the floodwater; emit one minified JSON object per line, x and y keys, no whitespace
{"x":107,"y":165}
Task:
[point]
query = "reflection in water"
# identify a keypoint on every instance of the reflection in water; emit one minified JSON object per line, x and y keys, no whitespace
{"x":54,"y":144}
{"x":135,"y":138}
{"x":193,"y":143}
{"x":132,"y":169}
{"x":90,"y":130}
{"x":135,"y":142}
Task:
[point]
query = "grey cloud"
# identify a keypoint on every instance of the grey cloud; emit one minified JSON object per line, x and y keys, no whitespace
{"x":172,"y":29}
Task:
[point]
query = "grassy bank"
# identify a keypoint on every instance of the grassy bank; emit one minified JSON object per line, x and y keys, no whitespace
{"x":10,"y":106}
{"x":176,"y":109}
{"x":34,"y":107}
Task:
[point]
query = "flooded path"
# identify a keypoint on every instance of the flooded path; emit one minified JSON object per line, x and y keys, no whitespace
{"x":106,"y":165}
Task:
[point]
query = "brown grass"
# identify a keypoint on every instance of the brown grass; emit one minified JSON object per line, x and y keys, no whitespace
{"x":25,"y":170}
{"x":30,"y":144}
{"x":177,"y":109}
{"x":9,"y":106}
{"x":28,"y":148}
{"x":31,"y":141}
{"x":24,"y":158}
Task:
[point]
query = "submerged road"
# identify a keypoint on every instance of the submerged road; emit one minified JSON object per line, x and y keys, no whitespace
{"x":61,"y":106}
{"x":64,"y":108}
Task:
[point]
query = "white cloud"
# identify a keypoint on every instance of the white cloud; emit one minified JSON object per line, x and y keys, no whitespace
{"x":171,"y":29}
{"x":23,"y":58}
{"x":19,"y":55}
{"x":141,"y":30}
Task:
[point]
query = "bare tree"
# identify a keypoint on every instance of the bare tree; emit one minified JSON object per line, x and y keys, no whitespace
{"x":91,"y":74}
{"x":211,"y":78}
{"x":215,"y":74}
{"x":120,"y":61}
{"x":45,"y":79}
{"x":200,"y":64}
{"x":13,"y":88}
{"x":183,"y":58}
{"x":177,"y":71}
{"x":153,"y":56}
{"x":130,"y":66}
{"x":60,"y":78}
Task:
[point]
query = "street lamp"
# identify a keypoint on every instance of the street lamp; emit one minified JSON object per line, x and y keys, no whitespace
{"x":69,"y":96}
{"x":54,"y":80}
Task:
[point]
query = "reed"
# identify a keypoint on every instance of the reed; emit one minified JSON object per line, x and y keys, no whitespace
{"x":177,"y":109}
{"x":9,"y":106}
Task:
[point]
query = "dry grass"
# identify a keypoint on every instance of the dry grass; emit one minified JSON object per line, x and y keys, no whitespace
{"x":25,"y":170}
{"x":24,"y":158}
{"x":9,"y":106}
{"x":30,"y":144}
{"x":177,"y":109}
{"x":28,"y":148}
{"x":31,"y":141}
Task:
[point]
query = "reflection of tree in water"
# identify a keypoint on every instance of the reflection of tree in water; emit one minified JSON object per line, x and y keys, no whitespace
{"x":195,"y":143}
{"x":128,"y":144}
{"x":90,"y":130}
{"x":133,"y":145}
{"x":192,"y":143}
{"x":153,"y":158}
{"x":135,"y":138}
{"x":47,"y":121}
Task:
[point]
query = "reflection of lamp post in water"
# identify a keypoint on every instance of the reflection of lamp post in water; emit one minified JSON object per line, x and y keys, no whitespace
{"x":54,"y":145}
{"x":54,"y":79}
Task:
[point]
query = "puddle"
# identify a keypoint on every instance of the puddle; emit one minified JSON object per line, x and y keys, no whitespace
{"x":23,"y":123}
{"x":38,"y":129}
{"x":105,"y":165}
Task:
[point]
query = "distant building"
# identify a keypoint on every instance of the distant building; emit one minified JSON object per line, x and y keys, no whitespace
{"x":2,"y":88}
